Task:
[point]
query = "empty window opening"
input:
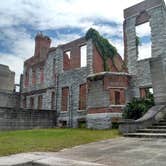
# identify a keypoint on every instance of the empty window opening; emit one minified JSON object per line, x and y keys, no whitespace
{"x":40,"y":101}
{"x":65,"y":98}
{"x":143,"y":41}
{"x":33,"y":77}
{"x":83,"y":54}
{"x":32,"y":103}
{"x":146,"y":92}
{"x":41,"y":75}
{"x":63,"y":123}
{"x":82,"y":97}
{"x":24,"y":102}
{"x":53,"y":100}
{"x":26,"y":79}
{"x":81,"y":123}
{"x":117,"y":97}
{"x":68,"y":53}
{"x":66,"y":60}
{"x":151,"y":90}
{"x":17,"y":88}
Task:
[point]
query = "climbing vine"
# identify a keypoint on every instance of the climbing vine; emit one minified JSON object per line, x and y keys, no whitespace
{"x":137,"y":41}
{"x":103,"y":46}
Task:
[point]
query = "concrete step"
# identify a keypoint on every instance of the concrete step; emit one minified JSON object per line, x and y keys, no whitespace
{"x":146,"y":135}
{"x":151,"y":130}
{"x":162,"y":121}
{"x":160,"y":124}
{"x":157,"y":127}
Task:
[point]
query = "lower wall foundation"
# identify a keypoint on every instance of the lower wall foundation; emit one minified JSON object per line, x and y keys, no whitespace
{"x":11,"y":119}
{"x":102,"y":120}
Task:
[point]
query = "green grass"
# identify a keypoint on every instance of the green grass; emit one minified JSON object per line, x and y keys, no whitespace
{"x":49,"y":139}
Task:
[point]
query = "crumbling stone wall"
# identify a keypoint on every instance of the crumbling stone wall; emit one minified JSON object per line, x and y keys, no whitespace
{"x":15,"y":119}
{"x":72,"y":79}
{"x":102,"y":107}
{"x":149,"y":10}
{"x":11,"y":100}
{"x":6,"y":79}
{"x":43,"y":88}
{"x":158,"y":70}
{"x":61,"y":71}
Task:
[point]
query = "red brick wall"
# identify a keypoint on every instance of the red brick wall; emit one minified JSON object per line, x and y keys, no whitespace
{"x":97,"y":61}
{"x":142,"y":92}
{"x":65,"y":97}
{"x":33,"y":77}
{"x":111,"y":65}
{"x":116,"y":81}
{"x":82,"y":97}
{"x":42,"y":45}
{"x":74,"y":47}
{"x":104,"y":110}
{"x":115,"y":65}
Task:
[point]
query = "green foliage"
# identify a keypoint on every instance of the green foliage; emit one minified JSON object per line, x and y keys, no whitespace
{"x":138,"y":107}
{"x":137,"y":41}
{"x":103,"y":46}
{"x":115,"y":125}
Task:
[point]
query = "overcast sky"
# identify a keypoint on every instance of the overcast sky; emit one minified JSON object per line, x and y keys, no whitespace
{"x":62,"y":20}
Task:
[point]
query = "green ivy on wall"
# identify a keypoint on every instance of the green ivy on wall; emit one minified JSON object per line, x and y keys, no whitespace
{"x":103,"y":46}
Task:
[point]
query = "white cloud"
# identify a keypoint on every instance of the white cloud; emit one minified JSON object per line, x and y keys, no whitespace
{"x":15,"y":63}
{"x":64,"y":38}
{"x":45,"y":14}
{"x":21,"y":46}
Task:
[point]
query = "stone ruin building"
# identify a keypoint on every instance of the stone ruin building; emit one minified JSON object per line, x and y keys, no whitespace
{"x":56,"y":79}
{"x":68,"y":86}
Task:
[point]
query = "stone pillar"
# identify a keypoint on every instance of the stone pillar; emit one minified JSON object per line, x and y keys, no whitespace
{"x":158,"y":32}
{"x":131,"y":53}
{"x":158,"y":72}
{"x":90,"y":56}
{"x":131,"y":45}
{"x":59,"y":60}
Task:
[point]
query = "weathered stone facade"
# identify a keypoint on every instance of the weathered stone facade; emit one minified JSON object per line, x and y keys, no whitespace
{"x":16,"y":119}
{"x":150,"y":72}
{"x":6,"y":79}
{"x":107,"y":94}
{"x":58,"y":80}
{"x":62,"y":71}
{"x":154,"y":12}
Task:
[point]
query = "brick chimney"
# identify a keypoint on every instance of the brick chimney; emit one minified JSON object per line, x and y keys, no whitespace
{"x":42,"y":45}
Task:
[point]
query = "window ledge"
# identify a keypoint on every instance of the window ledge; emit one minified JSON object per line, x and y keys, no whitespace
{"x":81,"y":110}
{"x":113,"y":105}
{"x":64,"y":112}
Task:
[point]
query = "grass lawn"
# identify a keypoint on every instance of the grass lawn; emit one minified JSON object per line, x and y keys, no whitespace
{"x":49,"y":139}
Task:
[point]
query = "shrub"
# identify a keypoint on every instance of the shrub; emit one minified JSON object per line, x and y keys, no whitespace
{"x":138,"y":107}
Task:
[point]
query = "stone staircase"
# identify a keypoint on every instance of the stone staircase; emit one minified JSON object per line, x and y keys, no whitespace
{"x":157,"y":130}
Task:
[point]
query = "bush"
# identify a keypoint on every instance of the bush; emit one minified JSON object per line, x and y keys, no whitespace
{"x":138,"y":107}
